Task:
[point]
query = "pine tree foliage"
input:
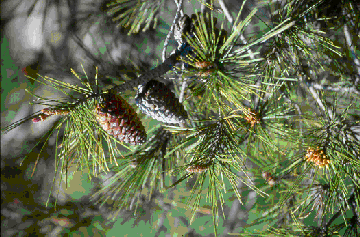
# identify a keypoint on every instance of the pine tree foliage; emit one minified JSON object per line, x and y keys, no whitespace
{"x":134,"y":14}
{"x":240,"y":103}
{"x":137,"y":173}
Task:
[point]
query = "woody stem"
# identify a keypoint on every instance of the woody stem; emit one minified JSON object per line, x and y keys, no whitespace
{"x":156,"y":72}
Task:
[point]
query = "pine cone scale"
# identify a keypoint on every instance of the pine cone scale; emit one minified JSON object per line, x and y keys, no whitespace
{"x":118,"y":119}
{"x":157,"y":101}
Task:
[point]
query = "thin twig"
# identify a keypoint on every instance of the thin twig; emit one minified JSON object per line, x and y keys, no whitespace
{"x":297,"y":107}
{"x":204,"y":7}
{"x":317,"y":99}
{"x":319,"y":102}
{"x":181,"y":97}
{"x":179,"y":10}
{"x":133,"y":202}
{"x":337,"y":89}
{"x":182,"y":92}
{"x":356,"y":60}
{"x":231,"y":20}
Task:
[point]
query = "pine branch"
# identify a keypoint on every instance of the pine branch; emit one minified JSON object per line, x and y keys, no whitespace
{"x":347,"y":90}
{"x":241,"y":109}
{"x":158,"y":71}
{"x":178,"y":11}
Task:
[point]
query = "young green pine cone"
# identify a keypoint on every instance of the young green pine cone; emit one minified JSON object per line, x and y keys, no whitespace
{"x":156,"y":100}
{"x":41,"y":117}
{"x":119,"y":119}
{"x":48,"y":112}
{"x":54,"y":111}
{"x":197,"y":169}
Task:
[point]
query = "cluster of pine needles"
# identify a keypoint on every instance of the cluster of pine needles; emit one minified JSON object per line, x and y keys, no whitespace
{"x":243,"y":109}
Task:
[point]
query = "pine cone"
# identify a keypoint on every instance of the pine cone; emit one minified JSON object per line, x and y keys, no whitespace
{"x":119,"y":119}
{"x":156,"y":100}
